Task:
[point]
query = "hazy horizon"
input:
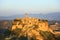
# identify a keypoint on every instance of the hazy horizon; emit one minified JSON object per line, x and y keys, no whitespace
{"x":13,"y":7}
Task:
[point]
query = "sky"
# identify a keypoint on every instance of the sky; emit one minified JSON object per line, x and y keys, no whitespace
{"x":11,"y":7}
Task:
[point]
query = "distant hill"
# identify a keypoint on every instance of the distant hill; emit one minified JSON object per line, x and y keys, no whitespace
{"x":49,"y":16}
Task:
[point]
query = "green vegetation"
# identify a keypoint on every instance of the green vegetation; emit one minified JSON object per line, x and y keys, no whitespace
{"x":58,"y":37}
{"x":13,"y":35}
{"x":16,"y":32}
{"x":2,"y":37}
{"x":47,"y":35}
{"x":4,"y":33}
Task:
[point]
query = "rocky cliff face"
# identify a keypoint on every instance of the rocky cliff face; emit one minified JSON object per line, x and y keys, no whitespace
{"x":30,"y":27}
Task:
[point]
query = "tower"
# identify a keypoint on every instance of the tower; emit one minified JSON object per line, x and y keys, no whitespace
{"x":26,"y":15}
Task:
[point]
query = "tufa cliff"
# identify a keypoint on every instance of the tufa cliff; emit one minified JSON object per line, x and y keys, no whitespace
{"x":29,"y":27}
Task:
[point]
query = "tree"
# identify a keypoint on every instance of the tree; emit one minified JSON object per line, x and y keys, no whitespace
{"x":47,"y":35}
{"x":16,"y":32}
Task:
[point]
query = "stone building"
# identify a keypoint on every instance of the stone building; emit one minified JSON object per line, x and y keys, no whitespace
{"x":29,"y":25}
{"x":30,"y":22}
{"x":55,"y":28}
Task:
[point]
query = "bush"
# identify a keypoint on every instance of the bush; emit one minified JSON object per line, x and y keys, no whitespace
{"x":58,"y":36}
{"x":2,"y":37}
{"x":47,"y":35}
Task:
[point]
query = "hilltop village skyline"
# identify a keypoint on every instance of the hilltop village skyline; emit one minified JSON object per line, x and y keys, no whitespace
{"x":28,"y":28}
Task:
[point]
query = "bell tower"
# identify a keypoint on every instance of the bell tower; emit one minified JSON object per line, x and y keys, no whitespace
{"x":26,"y":15}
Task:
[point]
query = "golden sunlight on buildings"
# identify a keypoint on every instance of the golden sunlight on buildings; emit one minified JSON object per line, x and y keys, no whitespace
{"x":30,"y":25}
{"x":28,"y":22}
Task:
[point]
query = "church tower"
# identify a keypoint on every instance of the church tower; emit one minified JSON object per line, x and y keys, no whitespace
{"x":26,"y":15}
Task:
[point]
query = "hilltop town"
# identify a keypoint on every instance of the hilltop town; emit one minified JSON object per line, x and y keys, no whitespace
{"x":29,"y":28}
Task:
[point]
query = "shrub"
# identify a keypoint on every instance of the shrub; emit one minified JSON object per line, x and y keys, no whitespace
{"x":47,"y":35}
